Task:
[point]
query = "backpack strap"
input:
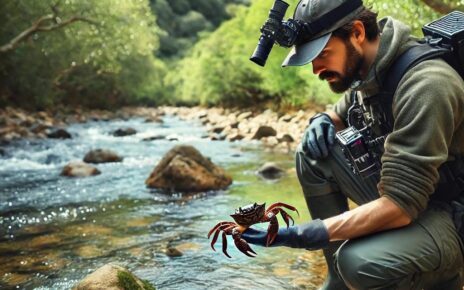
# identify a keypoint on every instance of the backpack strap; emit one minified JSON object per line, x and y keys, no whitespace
{"x":451,"y":184}
{"x":383,"y":101}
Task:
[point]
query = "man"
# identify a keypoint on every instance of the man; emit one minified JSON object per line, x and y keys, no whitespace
{"x":398,"y":237}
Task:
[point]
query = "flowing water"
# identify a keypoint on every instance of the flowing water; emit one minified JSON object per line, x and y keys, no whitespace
{"x":56,"y":230}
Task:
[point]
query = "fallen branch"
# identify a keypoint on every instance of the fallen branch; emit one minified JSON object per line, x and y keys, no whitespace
{"x":38,"y":26}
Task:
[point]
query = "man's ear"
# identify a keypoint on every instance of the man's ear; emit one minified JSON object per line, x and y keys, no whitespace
{"x":358,"y":32}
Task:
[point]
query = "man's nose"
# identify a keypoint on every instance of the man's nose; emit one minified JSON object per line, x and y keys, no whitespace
{"x":318,"y":67}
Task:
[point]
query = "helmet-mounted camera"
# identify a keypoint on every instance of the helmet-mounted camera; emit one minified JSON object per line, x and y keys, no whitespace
{"x":298,"y":31}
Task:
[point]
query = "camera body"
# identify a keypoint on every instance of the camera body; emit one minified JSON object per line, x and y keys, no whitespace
{"x":275,"y":30}
{"x":358,"y":148}
{"x":362,"y":149}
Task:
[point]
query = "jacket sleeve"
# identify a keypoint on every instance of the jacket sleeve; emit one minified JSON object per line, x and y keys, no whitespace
{"x":426,"y":106}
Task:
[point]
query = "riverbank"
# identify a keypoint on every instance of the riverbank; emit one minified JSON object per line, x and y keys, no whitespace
{"x":279,"y":131}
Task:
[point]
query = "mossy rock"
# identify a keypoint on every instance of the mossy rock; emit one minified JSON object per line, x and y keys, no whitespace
{"x":113,"y":277}
{"x":127,"y":281}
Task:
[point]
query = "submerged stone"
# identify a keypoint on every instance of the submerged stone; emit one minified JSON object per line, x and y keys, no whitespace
{"x":121,"y":132}
{"x":102,"y":156}
{"x":59,"y":134}
{"x":79,"y":169}
{"x":270,"y":170}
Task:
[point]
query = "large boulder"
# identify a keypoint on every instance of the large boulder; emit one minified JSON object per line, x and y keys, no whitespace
{"x":101,"y":156}
{"x":79,"y":169}
{"x":184,"y":169}
{"x":112,"y":277}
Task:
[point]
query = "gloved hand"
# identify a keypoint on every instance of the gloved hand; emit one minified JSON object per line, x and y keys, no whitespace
{"x":312,"y":236}
{"x":319,"y":137}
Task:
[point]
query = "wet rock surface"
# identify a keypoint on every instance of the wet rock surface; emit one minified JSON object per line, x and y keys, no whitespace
{"x":121,"y":132}
{"x":173,"y":252}
{"x":16,"y":123}
{"x":101,"y":156}
{"x":270,"y":170}
{"x":79,"y":169}
{"x":154,"y":138}
{"x":185,"y":169}
{"x":276,"y":131}
{"x":59,"y":134}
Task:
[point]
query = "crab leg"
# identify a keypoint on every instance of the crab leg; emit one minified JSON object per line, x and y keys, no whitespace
{"x":281,"y":204}
{"x":224,"y":244}
{"x":217,"y":226}
{"x":216,"y":235}
{"x":286,"y":217}
{"x":272,"y":230}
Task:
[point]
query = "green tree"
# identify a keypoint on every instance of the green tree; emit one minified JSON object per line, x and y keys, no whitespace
{"x":182,"y":22}
{"x":82,"y":59}
{"x":217,"y":69}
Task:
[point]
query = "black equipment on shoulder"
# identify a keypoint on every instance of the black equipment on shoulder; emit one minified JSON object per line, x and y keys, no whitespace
{"x":362,"y":151}
{"x":444,"y":38}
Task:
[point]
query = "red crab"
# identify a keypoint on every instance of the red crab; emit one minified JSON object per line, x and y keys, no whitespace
{"x":247,"y":216}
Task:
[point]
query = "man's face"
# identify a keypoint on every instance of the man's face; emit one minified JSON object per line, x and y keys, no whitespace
{"x":339,"y":64}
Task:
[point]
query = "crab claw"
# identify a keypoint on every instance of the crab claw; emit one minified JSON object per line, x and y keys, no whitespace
{"x":244,"y":247}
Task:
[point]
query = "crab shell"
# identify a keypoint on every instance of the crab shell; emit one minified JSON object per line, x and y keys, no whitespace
{"x":249,"y":214}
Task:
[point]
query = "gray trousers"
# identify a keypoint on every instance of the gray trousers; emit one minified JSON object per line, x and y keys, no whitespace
{"x":426,"y":254}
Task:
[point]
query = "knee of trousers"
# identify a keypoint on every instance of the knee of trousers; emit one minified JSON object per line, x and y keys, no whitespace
{"x":358,"y":271}
{"x":315,"y":175}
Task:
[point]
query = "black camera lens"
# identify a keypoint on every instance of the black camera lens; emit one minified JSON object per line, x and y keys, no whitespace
{"x":262,"y":50}
{"x":278,"y":10}
{"x":266,"y":41}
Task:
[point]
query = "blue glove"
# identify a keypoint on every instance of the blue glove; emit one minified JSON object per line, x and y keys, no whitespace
{"x":319,"y":137}
{"x":312,"y":236}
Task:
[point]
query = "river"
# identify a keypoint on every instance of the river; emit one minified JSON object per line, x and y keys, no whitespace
{"x":56,"y":230}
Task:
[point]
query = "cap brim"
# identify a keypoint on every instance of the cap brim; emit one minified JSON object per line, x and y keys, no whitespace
{"x":306,"y":53}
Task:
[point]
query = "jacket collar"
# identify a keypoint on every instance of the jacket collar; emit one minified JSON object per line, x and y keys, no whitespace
{"x":395,"y":38}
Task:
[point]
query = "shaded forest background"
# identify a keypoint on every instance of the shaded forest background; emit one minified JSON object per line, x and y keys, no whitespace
{"x":110,"y":53}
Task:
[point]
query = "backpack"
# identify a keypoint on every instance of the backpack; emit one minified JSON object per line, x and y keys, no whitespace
{"x":443,"y":38}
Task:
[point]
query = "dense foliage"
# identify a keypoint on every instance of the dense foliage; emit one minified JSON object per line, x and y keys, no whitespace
{"x":218,"y":70}
{"x":105,"y":59}
{"x":120,"y":52}
{"x":182,"y":21}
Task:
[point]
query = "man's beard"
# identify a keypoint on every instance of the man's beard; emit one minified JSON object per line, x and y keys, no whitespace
{"x":353,"y":64}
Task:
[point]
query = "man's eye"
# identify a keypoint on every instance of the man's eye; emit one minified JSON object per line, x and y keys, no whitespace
{"x":323,"y":54}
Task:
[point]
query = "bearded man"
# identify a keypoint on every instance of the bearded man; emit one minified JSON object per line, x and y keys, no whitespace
{"x":402,"y":234}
